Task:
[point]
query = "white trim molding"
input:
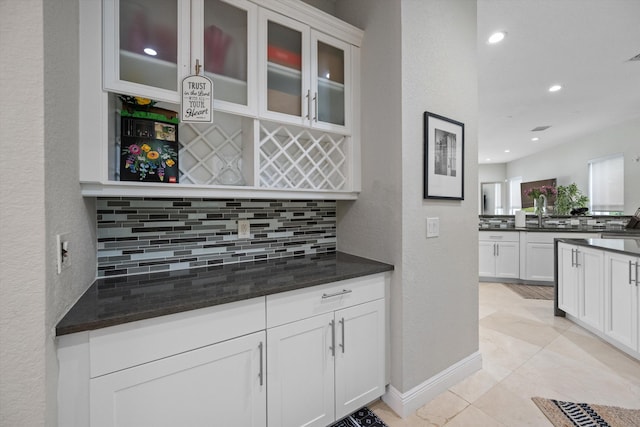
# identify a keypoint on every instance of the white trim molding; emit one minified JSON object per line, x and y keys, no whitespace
{"x":405,"y":404}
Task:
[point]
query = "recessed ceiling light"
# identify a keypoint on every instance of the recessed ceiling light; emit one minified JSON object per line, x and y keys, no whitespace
{"x":497,"y":37}
{"x":488,"y":159}
{"x":149,"y":51}
{"x":535,"y":139}
{"x":507,"y":151}
{"x":555,"y":88}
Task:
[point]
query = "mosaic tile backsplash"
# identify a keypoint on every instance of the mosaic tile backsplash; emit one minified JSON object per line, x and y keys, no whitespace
{"x":143,"y":235}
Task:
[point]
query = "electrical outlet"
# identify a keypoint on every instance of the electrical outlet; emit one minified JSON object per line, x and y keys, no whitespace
{"x":63,"y":256}
{"x":433,"y":227}
{"x":244,"y":229}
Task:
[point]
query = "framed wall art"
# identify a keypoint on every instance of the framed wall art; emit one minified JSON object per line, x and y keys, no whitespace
{"x":443,"y":158}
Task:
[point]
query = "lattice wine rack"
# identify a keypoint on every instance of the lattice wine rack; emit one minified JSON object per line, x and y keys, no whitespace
{"x":301,"y":158}
{"x":286,"y":157}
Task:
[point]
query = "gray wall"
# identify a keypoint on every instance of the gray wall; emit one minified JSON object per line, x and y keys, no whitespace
{"x":417,"y":55}
{"x":40,"y":198}
{"x":568,"y":162}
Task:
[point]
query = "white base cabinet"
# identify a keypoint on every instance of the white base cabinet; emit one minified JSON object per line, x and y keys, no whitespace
{"x":326,"y":352}
{"x":221,"y":384}
{"x":537,"y":257}
{"x":499,"y":254}
{"x":581,"y":283}
{"x":621,"y":299}
{"x":598,"y":290}
{"x":315,"y":355}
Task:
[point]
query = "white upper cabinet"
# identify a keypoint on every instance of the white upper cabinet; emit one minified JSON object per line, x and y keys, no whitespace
{"x":151,"y":45}
{"x":285,"y":99}
{"x":305,"y":75}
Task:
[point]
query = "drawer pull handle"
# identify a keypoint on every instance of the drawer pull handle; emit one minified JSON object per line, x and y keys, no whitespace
{"x":261,"y":373}
{"x":333,"y":338}
{"x":342,"y":324}
{"x":337,"y":294}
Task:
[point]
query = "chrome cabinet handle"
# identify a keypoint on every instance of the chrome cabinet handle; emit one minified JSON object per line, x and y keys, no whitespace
{"x":573,"y":264}
{"x":636,"y":274}
{"x":577,"y":259}
{"x":497,"y":249}
{"x":337,"y":294}
{"x":630,"y":279}
{"x":315,"y":112}
{"x":333,"y":338}
{"x":308,"y":105}
{"x":261,"y":374}
{"x":342,"y":324}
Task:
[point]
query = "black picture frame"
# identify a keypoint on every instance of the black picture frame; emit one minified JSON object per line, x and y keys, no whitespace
{"x":443,"y":158}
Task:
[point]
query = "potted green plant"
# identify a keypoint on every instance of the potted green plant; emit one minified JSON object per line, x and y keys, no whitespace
{"x":569,"y":198}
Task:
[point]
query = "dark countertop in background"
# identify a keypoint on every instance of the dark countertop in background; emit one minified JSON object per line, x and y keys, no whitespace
{"x":117,"y":300}
{"x":548,"y":229}
{"x":624,"y":246}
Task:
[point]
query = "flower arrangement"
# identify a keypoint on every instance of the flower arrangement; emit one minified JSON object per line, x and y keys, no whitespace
{"x":147,"y":160}
{"x":536,"y":192}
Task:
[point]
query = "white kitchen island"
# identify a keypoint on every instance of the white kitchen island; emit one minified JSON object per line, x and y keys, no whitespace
{"x":597,"y":287}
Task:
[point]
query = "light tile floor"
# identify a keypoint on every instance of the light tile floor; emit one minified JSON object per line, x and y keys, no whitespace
{"x":526,"y":352}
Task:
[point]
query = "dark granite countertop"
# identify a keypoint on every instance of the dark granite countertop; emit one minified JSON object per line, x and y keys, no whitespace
{"x":624,"y":246}
{"x":552,"y":229}
{"x":117,"y":300}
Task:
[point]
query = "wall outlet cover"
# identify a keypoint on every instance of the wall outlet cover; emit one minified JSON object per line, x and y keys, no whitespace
{"x":63,"y":255}
{"x":244,"y":229}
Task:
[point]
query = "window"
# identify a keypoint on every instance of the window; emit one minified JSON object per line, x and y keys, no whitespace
{"x":606,"y":185}
{"x":515,"y":200}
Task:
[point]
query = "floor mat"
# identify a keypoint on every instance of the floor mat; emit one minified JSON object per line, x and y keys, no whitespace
{"x":532,"y":291}
{"x":363,"y":417}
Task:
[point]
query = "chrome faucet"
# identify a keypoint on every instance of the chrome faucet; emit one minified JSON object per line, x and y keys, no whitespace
{"x":542,"y":210}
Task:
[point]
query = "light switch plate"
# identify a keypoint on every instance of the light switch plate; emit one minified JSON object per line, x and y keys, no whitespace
{"x":433,"y":227}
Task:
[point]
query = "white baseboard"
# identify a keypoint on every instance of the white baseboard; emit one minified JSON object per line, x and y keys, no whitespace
{"x":405,"y":404}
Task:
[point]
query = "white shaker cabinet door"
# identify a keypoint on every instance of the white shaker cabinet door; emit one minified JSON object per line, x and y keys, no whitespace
{"x":508,"y":260}
{"x":300,"y":372}
{"x":591,"y":307}
{"x":359,"y":356}
{"x":221,"y":384}
{"x":621,"y":299}
{"x":567,"y":279}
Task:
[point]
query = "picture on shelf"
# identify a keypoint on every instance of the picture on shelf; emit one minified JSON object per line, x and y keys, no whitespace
{"x":149,"y":151}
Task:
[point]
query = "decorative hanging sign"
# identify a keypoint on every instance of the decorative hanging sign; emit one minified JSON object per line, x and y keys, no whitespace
{"x":197,"y":99}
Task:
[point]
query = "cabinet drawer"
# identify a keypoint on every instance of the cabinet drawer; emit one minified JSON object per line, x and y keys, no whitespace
{"x":123,"y":346}
{"x":302,"y":303}
{"x":500,"y":236}
{"x":548,"y":237}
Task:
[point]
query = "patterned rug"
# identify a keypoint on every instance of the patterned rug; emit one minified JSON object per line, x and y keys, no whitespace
{"x":361,"y":418}
{"x":532,"y":291}
{"x":569,"y":414}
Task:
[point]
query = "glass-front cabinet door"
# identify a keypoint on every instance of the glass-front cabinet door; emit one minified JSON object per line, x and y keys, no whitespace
{"x":146,"y":47}
{"x":331,"y":82}
{"x":306,"y":75}
{"x":223,"y":42}
{"x":151,"y":45}
{"x":284,"y":58}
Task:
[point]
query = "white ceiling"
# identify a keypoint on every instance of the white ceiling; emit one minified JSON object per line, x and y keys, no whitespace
{"x":583,"y":45}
